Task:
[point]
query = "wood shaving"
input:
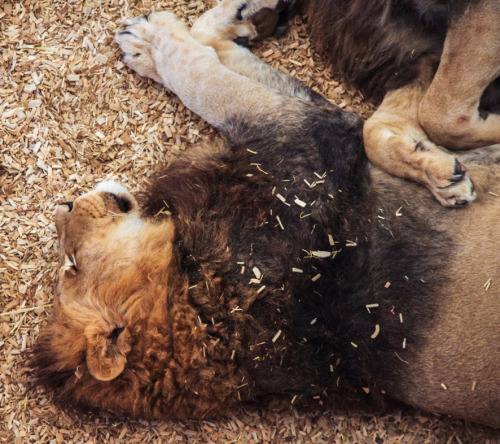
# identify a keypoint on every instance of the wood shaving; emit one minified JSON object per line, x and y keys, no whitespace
{"x":299,"y":202}
{"x":368,"y":306}
{"x":257,"y":273}
{"x":376,"y":332}
{"x":321,"y":254}
{"x":276,"y":336}
{"x":487,"y":284}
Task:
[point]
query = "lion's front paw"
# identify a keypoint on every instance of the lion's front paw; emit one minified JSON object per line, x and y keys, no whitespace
{"x":456,"y":195}
{"x":242,"y":21}
{"x":448,"y":180}
{"x":142,"y":35}
{"x":460,"y":191}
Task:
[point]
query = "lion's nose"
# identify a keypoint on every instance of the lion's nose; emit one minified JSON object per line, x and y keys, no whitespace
{"x":69,"y":205}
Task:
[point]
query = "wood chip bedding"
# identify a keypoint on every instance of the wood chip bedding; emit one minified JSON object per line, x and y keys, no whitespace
{"x":71,"y":114}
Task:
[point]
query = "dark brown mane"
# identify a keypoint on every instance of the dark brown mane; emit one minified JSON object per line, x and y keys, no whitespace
{"x":378,"y":45}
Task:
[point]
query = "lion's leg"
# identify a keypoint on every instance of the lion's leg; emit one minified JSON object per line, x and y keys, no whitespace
{"x":449,"y":111}
{"x":395,"y":142}
{"x":161,"y":47}
{"x":226,"y":23}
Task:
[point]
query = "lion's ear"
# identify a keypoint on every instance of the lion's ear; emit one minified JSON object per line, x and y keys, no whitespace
{"x":106,"y":351}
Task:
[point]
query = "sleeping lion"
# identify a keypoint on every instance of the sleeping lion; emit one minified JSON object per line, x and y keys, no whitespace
{"x":275,"y":263}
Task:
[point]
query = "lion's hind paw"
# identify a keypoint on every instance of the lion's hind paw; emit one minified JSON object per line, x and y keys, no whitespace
{"x":241,"y":21}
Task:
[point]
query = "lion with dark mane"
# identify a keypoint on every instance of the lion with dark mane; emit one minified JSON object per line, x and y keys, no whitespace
{"x":276,"y":263}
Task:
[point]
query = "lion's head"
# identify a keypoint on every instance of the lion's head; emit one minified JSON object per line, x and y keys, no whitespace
{"x":98,"y":239}
{"x":108,"y":257}
{"x":124,"y":335}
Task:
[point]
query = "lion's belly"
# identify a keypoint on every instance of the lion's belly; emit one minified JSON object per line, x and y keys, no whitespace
{"x":455,"y":370}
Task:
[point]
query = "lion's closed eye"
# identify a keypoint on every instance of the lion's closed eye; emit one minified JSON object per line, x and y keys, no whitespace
{"x":123,"y":203}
